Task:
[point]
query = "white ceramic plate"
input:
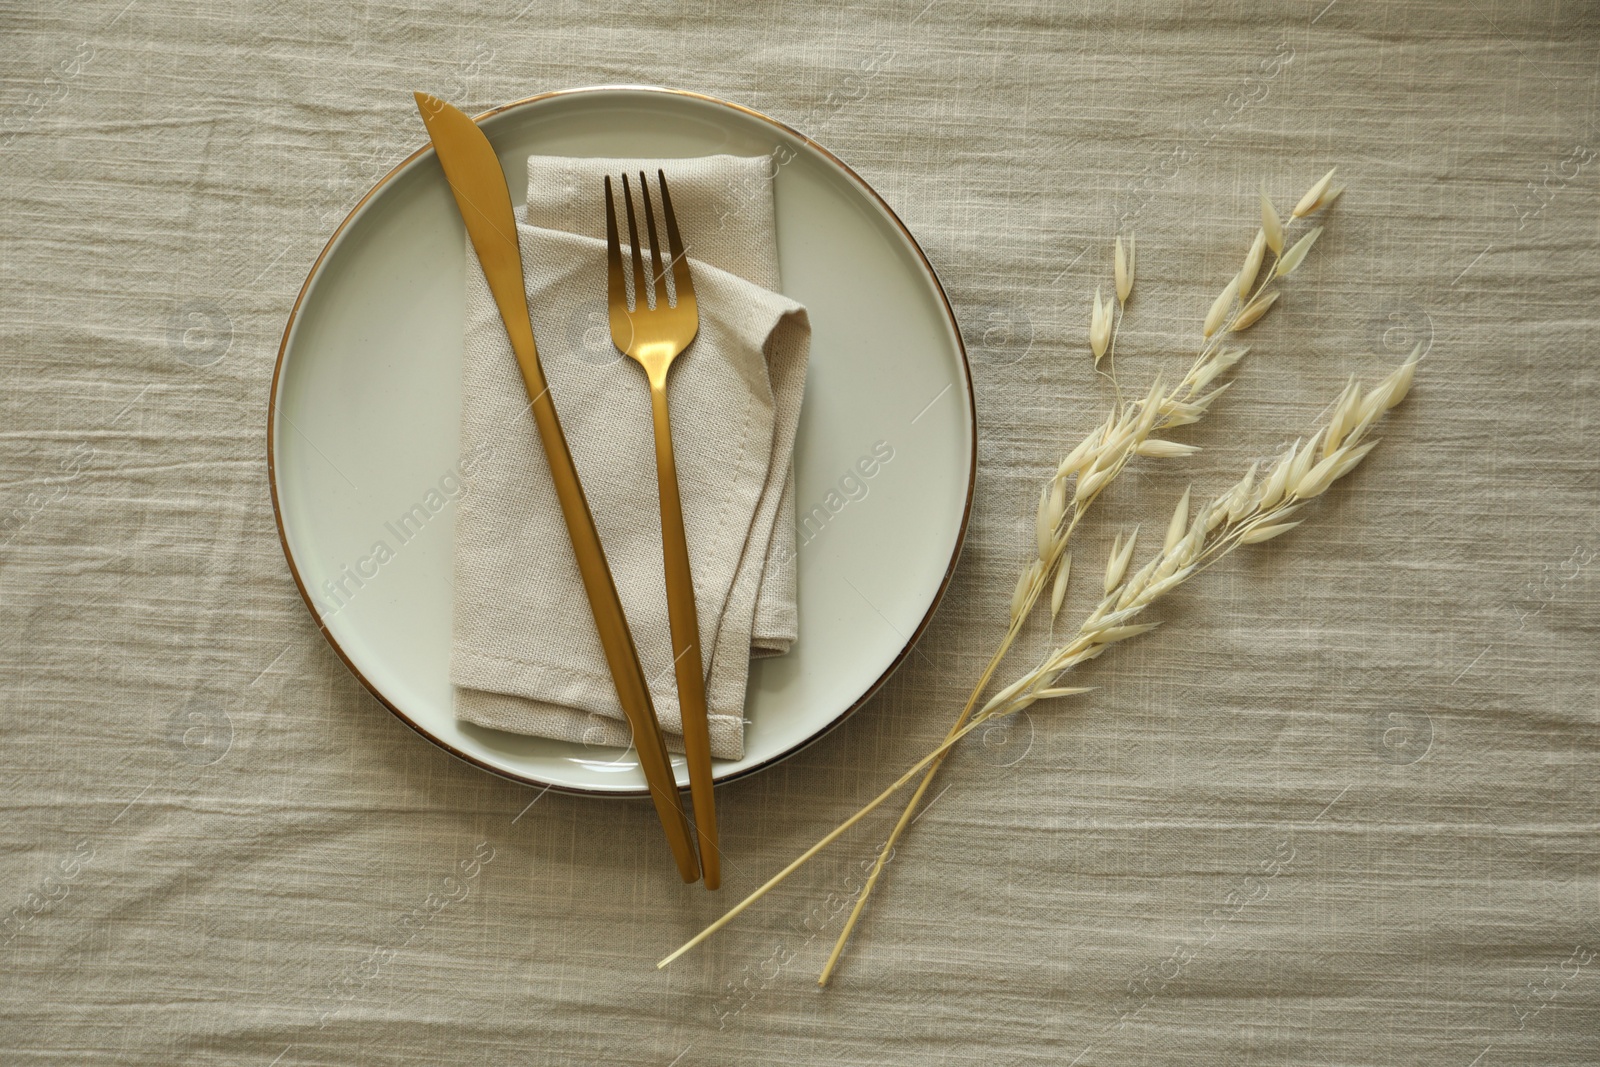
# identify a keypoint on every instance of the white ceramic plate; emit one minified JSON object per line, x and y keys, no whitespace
{"x":367,"y":398}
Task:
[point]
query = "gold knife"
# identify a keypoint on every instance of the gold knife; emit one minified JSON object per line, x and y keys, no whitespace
{"x":473,"y":170}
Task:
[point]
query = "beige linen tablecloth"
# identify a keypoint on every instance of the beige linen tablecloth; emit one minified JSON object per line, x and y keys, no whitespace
{"x":1340,"y":809}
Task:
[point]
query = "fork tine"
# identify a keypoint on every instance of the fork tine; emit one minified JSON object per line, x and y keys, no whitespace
{"x":681,"y":282}
{"x":658,"y":277}
{"x":639,"y":301}
{"x":616,"y":284}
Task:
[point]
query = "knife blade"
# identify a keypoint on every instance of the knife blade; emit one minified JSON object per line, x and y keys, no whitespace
{"x":479,"y":185}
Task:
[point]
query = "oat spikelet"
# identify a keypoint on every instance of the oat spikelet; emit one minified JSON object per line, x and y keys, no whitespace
{"x":1319,"y":477}
{"x":1099,"y":327}
{"x":1150,"y":408}
{"x":1112,"y":634}
{"x":1241,"y":498}
{"x":1291,"y":259}
{"x":1058,"y":592}
{"x":1272,"y":491}
{"x":1257,"y":534}
{"x":1156,"y":448}
{"x":1314,"y":196}
{"x":1219,"y":307}
{"x":1025,"y":582}
{"x":1254,"y":310}
{"x":1179,"y":524}
{"x":1120,"y":555}
{"x":1207,"y":372}
{"x":1302,"y":462}
{"x":1252,"y":262}
{"x":1123,"y":270}
{"x":1271,"y":225}
{"x":1111,"y":560}
{"x":1079,"y":457}
{"x":1352,"y":457}
{"x":1387,"y":393}
{"x":1343,"y":417}
{"x":1304,"y":458}
{"x":1398,"y":384}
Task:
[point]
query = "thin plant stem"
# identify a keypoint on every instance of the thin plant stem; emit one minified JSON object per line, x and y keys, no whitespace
{"x":1111,"y":351}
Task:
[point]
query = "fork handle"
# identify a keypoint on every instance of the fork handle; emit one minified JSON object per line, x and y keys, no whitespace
{"x":684,"y":621}
{"x":633,"y":691}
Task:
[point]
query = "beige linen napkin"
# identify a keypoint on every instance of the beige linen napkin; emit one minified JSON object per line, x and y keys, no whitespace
{"x":525,"y":656}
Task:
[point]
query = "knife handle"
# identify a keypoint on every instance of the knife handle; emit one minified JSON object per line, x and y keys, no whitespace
{"x":633,"y":691}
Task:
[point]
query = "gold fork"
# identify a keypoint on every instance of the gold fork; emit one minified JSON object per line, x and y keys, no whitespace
{"x":653,"y":335}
